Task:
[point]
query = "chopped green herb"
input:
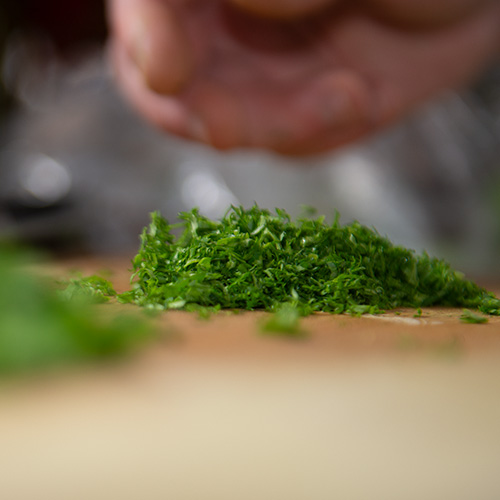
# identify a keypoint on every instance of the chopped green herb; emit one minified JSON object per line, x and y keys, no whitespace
{"x":285,"y":321}
{"x":204,"y":312}
{"x":40,"y":330}
{"x":94,"y":288}
{"x":255,"y":259}
{"x":471,"y":317}
{"x":418,"y":313}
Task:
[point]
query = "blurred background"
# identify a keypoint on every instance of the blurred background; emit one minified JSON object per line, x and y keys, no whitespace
{"x":79,"y":174}
{"x":80,"y":171}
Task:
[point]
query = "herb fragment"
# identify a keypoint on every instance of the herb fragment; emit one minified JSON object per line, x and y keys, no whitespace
{"x":468,"y":316}
{"x":255,"y":259}
{"x":285,"y":321}
{"x":94,"y":288}
{"x":204,"y":312}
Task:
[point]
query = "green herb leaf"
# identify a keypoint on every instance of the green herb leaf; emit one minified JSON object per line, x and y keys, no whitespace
{"x":471,"y":317}
{"x":285,"y":321}
{"x":40,"y":330}
{"x":93,"y":288}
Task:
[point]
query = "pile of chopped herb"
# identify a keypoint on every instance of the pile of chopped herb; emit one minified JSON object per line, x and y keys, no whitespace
{"x":41,"y":329}
{"x":255,"y":259}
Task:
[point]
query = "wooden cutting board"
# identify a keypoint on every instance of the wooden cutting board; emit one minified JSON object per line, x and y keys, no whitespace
{"x":386,"y":407}
{"x":402,"y":332}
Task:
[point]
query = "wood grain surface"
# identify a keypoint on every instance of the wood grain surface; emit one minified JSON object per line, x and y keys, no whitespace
{"x":437,"y":331}
{"x":386,"y":407}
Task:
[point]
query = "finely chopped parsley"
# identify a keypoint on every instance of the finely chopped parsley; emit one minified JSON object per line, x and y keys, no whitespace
{"x":41,"y":329}
{"x":258,"y":259}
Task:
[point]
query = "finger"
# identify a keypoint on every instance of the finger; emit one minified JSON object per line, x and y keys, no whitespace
{"x":283,"y":9}
{"x":425,"y":13}
{"x":409,"y":68}
{"x":220,"y":120}
{"x":167,"y":113}
{"x":328,"y":140}
{"x":156,"y":42}
{"x":289,"y":122}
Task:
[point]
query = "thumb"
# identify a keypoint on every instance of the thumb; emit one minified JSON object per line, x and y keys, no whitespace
{"x":282,"y":9}
{"x":155,"y":41}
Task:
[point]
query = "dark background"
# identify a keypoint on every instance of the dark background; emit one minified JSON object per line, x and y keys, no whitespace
{"x":66,"y":23}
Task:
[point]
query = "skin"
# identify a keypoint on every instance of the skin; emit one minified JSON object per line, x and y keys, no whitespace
{"x":294,"y":76}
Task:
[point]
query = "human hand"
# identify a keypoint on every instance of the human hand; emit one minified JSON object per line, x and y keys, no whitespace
{"x":294,"y":76}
